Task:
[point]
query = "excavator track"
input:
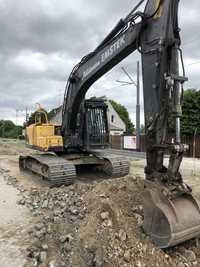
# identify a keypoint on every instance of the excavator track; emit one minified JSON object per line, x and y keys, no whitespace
{"x":115,"y":166}
{"x":55,"y":170}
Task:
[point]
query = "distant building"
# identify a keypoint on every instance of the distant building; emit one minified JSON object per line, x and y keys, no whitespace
{"x":55,"y":115}
{"x":115,"y":123}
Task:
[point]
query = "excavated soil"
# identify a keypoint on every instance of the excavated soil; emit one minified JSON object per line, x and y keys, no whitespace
{"x":94,"y":222}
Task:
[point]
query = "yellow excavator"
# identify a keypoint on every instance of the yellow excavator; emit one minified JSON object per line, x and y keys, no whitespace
{"x":171,"y":213}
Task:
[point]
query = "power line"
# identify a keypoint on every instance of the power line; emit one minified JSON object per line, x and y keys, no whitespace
{"x":124,"y":84}
{"x":191,"y":42}
{"x":193,"y":63}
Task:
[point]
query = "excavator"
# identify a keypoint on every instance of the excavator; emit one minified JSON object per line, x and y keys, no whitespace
{"x":171,"y":212}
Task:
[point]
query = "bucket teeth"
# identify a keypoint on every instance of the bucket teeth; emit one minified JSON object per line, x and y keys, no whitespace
{"x":169,"y":221}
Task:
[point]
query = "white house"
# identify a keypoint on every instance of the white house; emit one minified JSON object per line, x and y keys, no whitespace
{"x":115,"y":123}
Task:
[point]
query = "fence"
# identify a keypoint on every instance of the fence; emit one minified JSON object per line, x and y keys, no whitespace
{"x":117,"y":142}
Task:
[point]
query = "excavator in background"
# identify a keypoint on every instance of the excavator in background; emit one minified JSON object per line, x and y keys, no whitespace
{"x":57,"y":163}
{"x":171,"y":213}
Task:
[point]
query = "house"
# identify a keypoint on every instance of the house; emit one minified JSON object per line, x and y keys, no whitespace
{"x":115,"y":123}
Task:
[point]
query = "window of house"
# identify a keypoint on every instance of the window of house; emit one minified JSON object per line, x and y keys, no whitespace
{"x":112,"y":118}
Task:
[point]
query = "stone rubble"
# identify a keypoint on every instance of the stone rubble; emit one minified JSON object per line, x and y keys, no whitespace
{"x":54,"y":207}
{"x":60,"y":211}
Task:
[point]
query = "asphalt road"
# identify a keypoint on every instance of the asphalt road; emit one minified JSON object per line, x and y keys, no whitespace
{"x":128,"y":153}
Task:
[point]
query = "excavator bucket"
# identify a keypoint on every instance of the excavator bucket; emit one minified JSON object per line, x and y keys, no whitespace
{"x":170,"y":221}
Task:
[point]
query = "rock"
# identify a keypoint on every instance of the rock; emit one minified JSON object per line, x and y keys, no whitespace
{"x":21,"y":189}
{"x":62,"y":204}
{"x":67,"y":247}
{"x":45,"y":204}
{"x":35,"y":263}
{"x":139,"y":219}
{"x":109,"y":223}
{"x":69,"y":238}
{"x":50,"y":204}
{"x":34,"y":191}
{"x":31,"y":251}
{"x":127,"y":256}
{"x":102,"y":195}
{"x":45,"y":247}
{"x":41,"y":233}
{"x":36,"y":255}
{"x":105,"y":215}
{"x":180,"y":264}
{"x":63,"y":239}
{"x":122,"y":235}
{"x":80,"y":216}
{"x":139,"y":264}
{"x":39,"y":226}
{"x":49,"y":230}
{"x":190,"y":255}
{"x":43,"y":256}
{"x":74,"y":211}
{"x":21,"y":202}
{"x":54,"y":263}
{"x":57,"y":212}
{"x":97,"y":261}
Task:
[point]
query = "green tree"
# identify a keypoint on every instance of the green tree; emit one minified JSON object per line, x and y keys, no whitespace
{"x":9,"y":130}
{"x":191,"y":112}
{"x":190,"y":120}
{"x":124,"y":115}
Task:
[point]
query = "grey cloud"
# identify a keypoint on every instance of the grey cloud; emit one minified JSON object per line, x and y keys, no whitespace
{"x":42,"y":40}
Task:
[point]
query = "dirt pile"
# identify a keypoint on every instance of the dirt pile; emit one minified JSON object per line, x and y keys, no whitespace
{"x":112,"y":230}
{"x":98,"y":225}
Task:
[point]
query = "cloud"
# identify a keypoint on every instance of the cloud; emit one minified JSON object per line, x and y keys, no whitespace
{"x":42,"y":40}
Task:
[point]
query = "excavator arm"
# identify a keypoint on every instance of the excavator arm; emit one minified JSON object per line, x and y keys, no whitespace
{"x":90,"y":69}
{"x":171,"y":214}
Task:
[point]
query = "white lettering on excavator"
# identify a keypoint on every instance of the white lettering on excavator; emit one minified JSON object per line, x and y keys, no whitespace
{"x":113,"y":48}
{"x":105,"y":55}
{"x":90,"y":69}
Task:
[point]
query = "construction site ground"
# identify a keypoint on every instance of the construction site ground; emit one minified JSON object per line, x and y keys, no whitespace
{"x":94,"y":222}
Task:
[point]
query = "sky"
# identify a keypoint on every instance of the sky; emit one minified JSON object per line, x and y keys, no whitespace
{"x":42,"y":40}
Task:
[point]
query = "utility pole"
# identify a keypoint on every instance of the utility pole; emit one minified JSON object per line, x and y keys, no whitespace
{"x":27,"y":115}
{"x":16,"y":116}
{"x":137,"y":85}
{"x":138,"y":108}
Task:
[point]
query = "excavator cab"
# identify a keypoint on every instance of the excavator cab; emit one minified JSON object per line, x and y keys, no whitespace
{"x":96,"y":132}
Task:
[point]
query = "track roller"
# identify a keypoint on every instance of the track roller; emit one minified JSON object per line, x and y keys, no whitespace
{"x":56,"y":170}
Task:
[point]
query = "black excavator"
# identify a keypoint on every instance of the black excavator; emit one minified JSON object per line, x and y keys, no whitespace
{"x":171,"y":213}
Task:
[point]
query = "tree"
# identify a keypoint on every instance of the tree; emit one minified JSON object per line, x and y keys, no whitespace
{"x":191,"y":112}
{"x":124,"y":115}
{"x":190,"y":120}
{"x":9,"y":130}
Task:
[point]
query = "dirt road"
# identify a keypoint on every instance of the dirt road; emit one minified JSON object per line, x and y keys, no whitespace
{"x":14,"y":220}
